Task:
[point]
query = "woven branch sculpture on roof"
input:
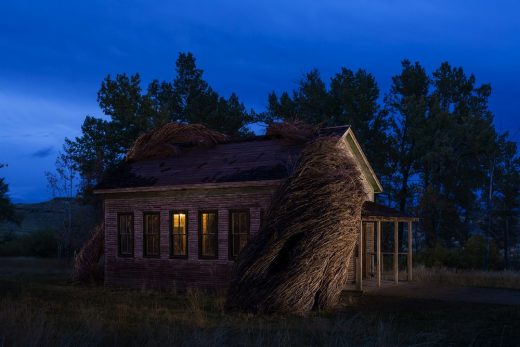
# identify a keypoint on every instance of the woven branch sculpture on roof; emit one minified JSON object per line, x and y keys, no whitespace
{"x":299,"y":260}
{"x":169,"y":139}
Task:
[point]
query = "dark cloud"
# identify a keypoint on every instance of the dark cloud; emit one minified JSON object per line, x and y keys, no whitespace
{"x":43,"y":153}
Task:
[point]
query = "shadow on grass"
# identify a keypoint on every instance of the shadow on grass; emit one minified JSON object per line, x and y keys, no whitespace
{"x":50,"y":310}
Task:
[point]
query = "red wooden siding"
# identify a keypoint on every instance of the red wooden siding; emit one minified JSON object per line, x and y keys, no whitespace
{"x":167,"y":272}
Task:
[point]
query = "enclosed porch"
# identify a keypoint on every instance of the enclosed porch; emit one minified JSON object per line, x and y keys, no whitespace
{"x":384,"y":255}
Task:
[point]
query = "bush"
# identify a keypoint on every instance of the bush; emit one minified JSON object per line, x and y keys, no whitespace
{"x":472,"y":256}
{"x":475,"y":255}
{"x":42,"y":243}
{"x":439,"y":256}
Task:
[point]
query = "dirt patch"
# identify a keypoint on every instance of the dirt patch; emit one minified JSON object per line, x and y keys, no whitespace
{"x":417,"y":290}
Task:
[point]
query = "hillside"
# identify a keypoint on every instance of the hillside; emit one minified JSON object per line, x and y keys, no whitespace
{"x":51,"y":214}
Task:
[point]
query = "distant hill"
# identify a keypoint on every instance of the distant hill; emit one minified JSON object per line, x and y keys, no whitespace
{"x":50,"y":214}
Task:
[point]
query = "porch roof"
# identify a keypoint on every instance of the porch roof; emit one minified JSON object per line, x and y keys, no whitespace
{"x":372,"y":211}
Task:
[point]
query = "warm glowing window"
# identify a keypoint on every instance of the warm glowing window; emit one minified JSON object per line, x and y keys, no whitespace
{"x":179,"y":236}
{"x":208,"y":231}
{"x":125,"y":237}
{"x":151,"y":235}
{"x":239,"y":231}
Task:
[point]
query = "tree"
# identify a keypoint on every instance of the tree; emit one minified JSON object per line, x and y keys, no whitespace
{"x":504,"y":215}
{"x":458,"y":142}
{"x":189,"y":99}
{"x":351,"y":99}
{"x":63,"y":183}
{"x":7,"y":209}
{"x":196,"y":102}
{"x":407,"y":102}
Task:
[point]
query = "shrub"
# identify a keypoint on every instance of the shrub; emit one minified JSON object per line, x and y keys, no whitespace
{"x":439,"y":256}
{"x":476,"y":256}
{"x":41,"y":243}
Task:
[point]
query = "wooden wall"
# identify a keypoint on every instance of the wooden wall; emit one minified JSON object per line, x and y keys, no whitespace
{"x":140,"y":272}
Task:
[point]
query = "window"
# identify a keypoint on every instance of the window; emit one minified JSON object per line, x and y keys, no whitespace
{"x":208,"y":231}
{"x":125,"y":234}
{"x":238,"y":231}
{"x":179,"y":234}
{"x":151,"y":234}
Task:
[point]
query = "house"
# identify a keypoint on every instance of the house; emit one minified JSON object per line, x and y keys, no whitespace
{"x":180,"y":221}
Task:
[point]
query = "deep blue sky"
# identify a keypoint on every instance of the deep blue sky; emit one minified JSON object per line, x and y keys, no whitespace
{"x":54,"y":54}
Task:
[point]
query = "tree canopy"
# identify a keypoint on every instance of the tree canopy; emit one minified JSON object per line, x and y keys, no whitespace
{"x":430,"y":138}
{"x":132,"y":111}
{"x":7,"y":209}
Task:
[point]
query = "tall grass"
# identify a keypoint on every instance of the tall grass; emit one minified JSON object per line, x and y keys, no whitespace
{"x":471,"y":278}
{"x":39,"y":310}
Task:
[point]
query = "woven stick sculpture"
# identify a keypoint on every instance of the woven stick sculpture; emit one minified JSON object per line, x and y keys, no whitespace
{"x":170,"y":138}
{"x":299,"y":260}
{"x":86,"y":262}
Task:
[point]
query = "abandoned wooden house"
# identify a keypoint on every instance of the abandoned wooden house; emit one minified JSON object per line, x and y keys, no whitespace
{"x":180,"y":220}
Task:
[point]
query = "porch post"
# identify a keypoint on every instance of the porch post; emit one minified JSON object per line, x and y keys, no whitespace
{"x":360,"y":259}
{"x":410,"y":251}
{"x":379,"y":265}
{"x":396,"y":252}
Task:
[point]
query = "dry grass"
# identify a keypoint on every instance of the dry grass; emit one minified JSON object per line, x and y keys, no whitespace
{"x":299,"y":260}
{"x":470,"y":278}
{"x":48,"y":310}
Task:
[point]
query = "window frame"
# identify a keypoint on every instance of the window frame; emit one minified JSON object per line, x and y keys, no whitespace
{"x":145,"y":255}
{"x":230,"y":234}
{"x":201,"y":212}
{"x":119,"y":254}
{"x":173,"y":256}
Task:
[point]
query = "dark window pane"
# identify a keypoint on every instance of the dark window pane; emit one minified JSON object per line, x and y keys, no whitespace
{"x":151,"y":234}
{"x":239,"y":233}
{"x":125,"y":234}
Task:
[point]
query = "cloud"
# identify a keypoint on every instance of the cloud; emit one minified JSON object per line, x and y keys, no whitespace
{"x":44,"y":152}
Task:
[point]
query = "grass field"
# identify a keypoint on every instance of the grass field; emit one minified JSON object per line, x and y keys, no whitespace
{"x":470,"y":278}
{"x":39,"y":306}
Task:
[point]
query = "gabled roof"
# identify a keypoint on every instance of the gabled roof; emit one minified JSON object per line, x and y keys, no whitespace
{"x":251,"y":162}
{"x":363,"y":162}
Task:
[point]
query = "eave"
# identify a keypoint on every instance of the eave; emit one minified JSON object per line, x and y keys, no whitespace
{"x":213,"y":185}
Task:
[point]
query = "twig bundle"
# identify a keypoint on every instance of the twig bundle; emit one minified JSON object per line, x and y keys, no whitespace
{"x":169,"y":140}
{"x":299,"y":259}
{"x":296,"y":131}
{"x":86,"y":262}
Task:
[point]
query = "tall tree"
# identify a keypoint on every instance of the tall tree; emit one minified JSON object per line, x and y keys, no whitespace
{"x":407,"y":102}
{"x":459,"y":142}
{"x":196,"y":102}
{"x":7,"y":209}
{"x":351,"y":98}
{"x":354,"y":100}
{"x":188,"y":99}
{"x":63,"y":183}
{"x":505,"y":213}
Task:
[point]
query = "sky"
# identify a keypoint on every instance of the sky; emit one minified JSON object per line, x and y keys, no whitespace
{"x":54,"y":54}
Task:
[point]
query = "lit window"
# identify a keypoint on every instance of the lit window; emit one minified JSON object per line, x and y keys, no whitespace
{"x":208,"y":230}
{"x":179,"y":236}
